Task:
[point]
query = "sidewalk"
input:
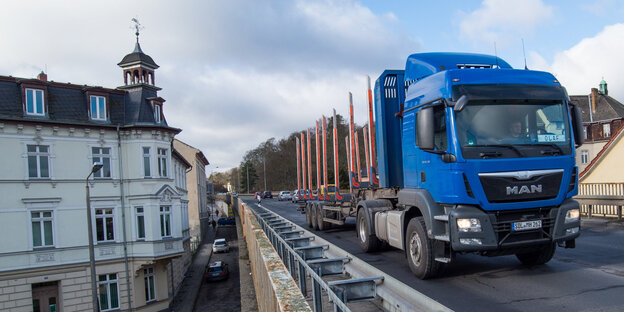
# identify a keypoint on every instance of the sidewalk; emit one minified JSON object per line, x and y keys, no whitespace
{"x":606,"y":222}
{"x":184,"y":301}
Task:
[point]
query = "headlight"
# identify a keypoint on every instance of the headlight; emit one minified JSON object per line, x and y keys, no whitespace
{"x":572,"y":215}
{"x":469,"y":225}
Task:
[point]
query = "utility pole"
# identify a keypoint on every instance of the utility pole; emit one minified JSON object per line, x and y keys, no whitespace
{"x":264,"y":166}
{"x":247,"y":178}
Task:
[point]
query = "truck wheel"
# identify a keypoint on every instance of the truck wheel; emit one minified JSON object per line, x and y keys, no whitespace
{"x":308,"y":213}
{"x":313,"y":217}
{"x":419,"y":250}
{"x":537,"y":257}
{"x":368,"y":242}
{"x":319,"y":218}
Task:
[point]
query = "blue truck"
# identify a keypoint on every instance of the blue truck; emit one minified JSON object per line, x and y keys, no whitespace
{"x":473,"y":156}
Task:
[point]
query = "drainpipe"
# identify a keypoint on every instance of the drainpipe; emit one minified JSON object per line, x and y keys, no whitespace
{"x":123,"y":218}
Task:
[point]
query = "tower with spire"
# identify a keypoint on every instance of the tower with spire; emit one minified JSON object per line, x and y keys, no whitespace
{"x":603,"y":87}
{"x":138,"y":67}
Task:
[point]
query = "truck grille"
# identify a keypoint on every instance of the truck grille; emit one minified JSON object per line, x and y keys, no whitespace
{"x":501,"y":187}
{"x":502,"y":224}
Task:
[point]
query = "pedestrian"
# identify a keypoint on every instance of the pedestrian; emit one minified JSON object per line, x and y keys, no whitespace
{"x":214,"y":224}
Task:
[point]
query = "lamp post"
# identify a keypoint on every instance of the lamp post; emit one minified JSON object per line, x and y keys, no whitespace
{"x":96,"y":307}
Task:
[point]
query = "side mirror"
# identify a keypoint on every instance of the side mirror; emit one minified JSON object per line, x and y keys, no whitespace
{"x":463,"y":100}
{"x":577,"y":124}
{"x":425,"y":129}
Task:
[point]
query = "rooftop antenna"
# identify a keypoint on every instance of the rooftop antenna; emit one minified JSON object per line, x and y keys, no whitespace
{"x":496,"y":55}
{"x":524,"y":53}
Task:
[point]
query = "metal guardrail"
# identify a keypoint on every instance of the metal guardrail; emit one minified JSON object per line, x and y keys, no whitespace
{"x":308,"y":256}
{"x":601,"y":199}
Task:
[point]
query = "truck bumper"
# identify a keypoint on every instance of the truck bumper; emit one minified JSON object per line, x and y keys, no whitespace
{"x":499,"y":234}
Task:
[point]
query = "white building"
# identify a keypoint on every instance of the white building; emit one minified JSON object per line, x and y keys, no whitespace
{"x":50,"y":135}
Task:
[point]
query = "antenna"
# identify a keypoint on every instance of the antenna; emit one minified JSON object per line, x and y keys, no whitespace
{"x":496,"y":55}
{"x":524,"y":53}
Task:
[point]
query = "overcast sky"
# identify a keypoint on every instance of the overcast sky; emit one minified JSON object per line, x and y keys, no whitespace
{"x":235,"y":73}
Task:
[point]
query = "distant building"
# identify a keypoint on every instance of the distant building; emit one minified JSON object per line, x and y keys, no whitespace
{"x":51,"y":133}
{"x":198,"y":210}
{"x":602,"y":116}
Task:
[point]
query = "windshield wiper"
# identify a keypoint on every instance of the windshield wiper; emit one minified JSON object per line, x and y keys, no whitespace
{"x":509,"y":146}
{"x":558,"y":148}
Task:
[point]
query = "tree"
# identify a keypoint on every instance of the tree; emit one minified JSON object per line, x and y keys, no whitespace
{"x":248,"y":170}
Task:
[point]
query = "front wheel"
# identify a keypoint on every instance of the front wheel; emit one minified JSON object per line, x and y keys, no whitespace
{"x":368,"y":242}
{"x":308,"y":213}
{"x":322,"y":225}
{"x":537,"y":257}
{"x":419,"y":250}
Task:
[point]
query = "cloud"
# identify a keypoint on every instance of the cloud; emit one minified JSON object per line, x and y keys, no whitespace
{"x":233,"y":73}
{"x":504,"y":21}
{"x":583,"y":66}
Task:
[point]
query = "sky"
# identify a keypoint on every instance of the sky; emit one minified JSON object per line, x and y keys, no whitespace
{"x":236,"y":73}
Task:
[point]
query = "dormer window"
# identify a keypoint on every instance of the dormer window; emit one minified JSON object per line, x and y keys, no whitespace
{"x":157,"y":112}
{"x":98,"y":107}
{"x":34,"y":102}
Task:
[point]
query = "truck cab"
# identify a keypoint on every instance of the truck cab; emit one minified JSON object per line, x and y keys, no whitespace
{"x":485,"y":161}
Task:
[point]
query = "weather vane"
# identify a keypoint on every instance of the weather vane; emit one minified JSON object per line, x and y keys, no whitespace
{"x":137,"y":26}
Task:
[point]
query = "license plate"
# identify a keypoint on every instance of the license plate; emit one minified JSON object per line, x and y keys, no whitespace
{"x":526,"y":225}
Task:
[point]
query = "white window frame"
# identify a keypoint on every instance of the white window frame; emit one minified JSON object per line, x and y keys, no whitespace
{"x":138,"y":214}
{"x":99,"y":157}
{"x":163,"y":162}
{"x":35,"y":111}
{"x":107,"y":283}
{"x":584,"y":156}
{"x":165,"y":223}
{"x":146,"y":158}
{"x":104,"y":215}
{"x":606,"y":130}
{"x":585,"y":132}
{"x":98,"y":114}
{"x":41,"y":219}
{"x":38,"y":155}
{"x":157,"y":113}
{"x":149,"y":280}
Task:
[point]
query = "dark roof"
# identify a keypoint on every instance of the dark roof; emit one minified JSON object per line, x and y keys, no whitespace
{"x":137,"y":56}
{"x":607,"y":108}
{"x":69,"y":104}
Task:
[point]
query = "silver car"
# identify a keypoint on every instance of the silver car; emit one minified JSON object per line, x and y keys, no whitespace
{"x":220,"y":245}
{"x":284,"y":195}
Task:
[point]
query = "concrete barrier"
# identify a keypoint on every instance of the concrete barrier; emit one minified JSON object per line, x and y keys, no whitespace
{"x":275,"y":288}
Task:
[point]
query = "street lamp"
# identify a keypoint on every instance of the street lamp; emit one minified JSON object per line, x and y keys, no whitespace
{"x":96,"y":307}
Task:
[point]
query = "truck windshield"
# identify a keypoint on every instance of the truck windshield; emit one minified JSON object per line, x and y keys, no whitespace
{"x":512,"y":129}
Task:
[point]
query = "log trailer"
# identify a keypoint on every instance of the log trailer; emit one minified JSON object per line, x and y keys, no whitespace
{"x":465,"y":155}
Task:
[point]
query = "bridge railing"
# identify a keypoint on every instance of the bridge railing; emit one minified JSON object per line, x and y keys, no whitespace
{"x":601,"y":199}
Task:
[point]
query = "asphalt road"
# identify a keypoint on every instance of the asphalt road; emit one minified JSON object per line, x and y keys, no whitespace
{"x":222,"y":295}
{"x":587,"y":278}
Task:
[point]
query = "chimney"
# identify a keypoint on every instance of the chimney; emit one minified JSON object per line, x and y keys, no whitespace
{"x":42,"y":76}
{"x":594,"y":99}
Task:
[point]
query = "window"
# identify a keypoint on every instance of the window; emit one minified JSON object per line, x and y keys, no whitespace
{"x":38,"y":161}
{"x":104,"y":225}
{"x":109,"y":293}
{"x":157,"y":112}
{"x":162,"y":162}
{"x":102,"y":155}
{"x":584,"y":156}
{"x":585,"y":133}
{"x":165,"y":221}
{"x":146,"y":162}
{"x":140,"y":223}
{"x":98,"y":107}
{"x":439,"y":128}
{"x":606,"y":130}
{"x":42,"y":228}
{"x":34,"y":102}
{"x":150,"y":293}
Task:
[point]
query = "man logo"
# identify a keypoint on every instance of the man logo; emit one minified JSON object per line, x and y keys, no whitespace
{"x":524,"y":189}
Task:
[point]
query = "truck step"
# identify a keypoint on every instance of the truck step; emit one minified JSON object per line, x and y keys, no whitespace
{"x":338,"y":222}
{"x":332,"y":208}
{"x":443,"y":259}
{"x":442,"y":218}
{"x":442,"y":238}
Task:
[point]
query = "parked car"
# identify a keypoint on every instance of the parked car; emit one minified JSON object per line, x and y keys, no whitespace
{"x":295,"y":196}
{"x":267,"y":194}
{"x":220,"y":245}
{"x":217,"y":271}
{"x":226,"y":221}
{"x":284,"y":195}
